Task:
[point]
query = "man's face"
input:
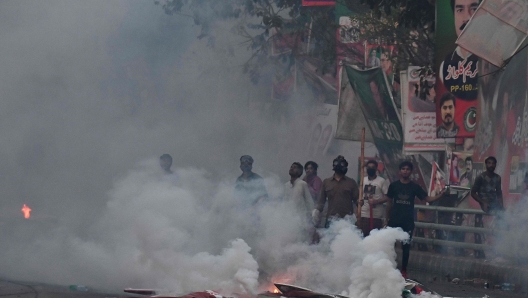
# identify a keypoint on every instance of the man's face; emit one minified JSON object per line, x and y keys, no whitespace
{"x":371,"y":166}
{"x":455,"y":161}
{"x":490,"y":165}
{"x":309,"y":170}
{"x":511,"y":11}
{"x":447,"y":111}
{"x":246,"y":166}
{"x":464,"y":9}
{"x":432,"y":94}
{"x":165,"y":163}
{"x":469,"y":166}
{"x":373,"y":53}
{"x":405,"y":172}
{"x":294,"y":171}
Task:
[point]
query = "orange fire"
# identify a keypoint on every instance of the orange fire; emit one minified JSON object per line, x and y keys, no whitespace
{"x":276,"y":291}
{"x":26,"y":210}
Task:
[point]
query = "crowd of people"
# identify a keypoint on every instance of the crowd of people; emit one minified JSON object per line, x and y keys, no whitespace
{"x":382,"y":204}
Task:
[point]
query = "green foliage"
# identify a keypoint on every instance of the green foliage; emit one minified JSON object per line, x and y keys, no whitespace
{"x":411,"y":14}
{"x":407,"y":23}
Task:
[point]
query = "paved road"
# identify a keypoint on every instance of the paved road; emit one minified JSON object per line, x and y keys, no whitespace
{"x":14,"y":289}
{"x":448,"y":289}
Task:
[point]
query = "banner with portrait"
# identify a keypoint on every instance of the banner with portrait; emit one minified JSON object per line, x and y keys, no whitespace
{"x":496,"y":30}
{"x":438,"y":180}
{"x":503,"y":123}
{"x":377,"y":105}
{"x":462,"y":173}
{"x":457,"y":72}
{"x":384,"y":56}
{"x":419,"y":113}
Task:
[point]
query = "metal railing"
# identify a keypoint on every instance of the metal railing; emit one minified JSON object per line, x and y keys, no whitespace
{"x":454,"y":228}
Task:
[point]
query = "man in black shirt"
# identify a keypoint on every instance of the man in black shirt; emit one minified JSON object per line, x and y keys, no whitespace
{"x":400,"y":206}
{"x":487,"y":189}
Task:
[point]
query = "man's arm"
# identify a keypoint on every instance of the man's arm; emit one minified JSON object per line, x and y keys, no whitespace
{"x":384,"y":198}
{"x":499,"y":193}
{"x":317,"y":184}
{"x":307,"y":197}
{"x":388,"y":198}
{"x":422,"y":195}
{"x":430,"y":199}
{"x":475,"y":188}
{"x":388,"y":208}
{"x":355,"y":193}
{"x":321,"y":199}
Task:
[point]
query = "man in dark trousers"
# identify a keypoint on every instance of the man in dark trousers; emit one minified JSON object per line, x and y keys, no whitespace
{"x":487,"y":189}
{"x":341,"y":191}
{"x":400,"y":206}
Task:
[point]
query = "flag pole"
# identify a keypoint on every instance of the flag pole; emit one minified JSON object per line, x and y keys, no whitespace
{"x":361,"y":173}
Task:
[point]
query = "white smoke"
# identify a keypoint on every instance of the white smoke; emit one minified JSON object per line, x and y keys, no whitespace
{"x":90,"y":89}
{"x":184,"y":233}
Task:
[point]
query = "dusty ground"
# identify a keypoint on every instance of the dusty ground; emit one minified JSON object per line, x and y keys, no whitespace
{"x":448,"y":289}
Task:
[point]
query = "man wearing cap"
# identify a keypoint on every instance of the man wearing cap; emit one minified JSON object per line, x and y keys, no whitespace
{"x":249,"y":186}
{"x":341,"y":191}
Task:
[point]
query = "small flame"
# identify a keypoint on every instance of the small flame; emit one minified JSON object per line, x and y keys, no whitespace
{"x":26,"y":210}
{"x":276,"y":291}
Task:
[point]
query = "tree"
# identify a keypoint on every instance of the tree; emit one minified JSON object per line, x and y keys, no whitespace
{"x":407,"y":23}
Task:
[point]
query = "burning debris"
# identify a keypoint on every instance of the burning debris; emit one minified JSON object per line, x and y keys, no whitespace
{"x":282,"y":290}
{"x":27,"y":211}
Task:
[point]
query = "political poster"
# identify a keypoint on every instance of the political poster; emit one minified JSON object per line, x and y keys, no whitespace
{"x":461,"y":171}
{"x":419,"y":113}
{"x":438,"y":180}
{"x":496,"y":30}
{"x":503,"y":123}
{"x":377,"y":105}
{"x":384,"y":56}
{"x":457,"y":72}
{"x":350,"y":119}
{"x":349,"y":50}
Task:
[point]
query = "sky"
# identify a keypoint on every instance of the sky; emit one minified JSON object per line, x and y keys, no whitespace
{"x":93,"y":92}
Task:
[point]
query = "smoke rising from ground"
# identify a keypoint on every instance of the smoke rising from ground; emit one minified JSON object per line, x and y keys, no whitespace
{"x":92,"y":94}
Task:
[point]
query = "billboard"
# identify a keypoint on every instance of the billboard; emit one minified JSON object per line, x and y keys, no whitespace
{"x":456,"y":85}
{"x":503,"y":122}
{"x":419,"y":112}
{"x":496,"y":30}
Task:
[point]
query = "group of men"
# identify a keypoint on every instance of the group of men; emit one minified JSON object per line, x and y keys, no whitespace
{"x":340,"y":192}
